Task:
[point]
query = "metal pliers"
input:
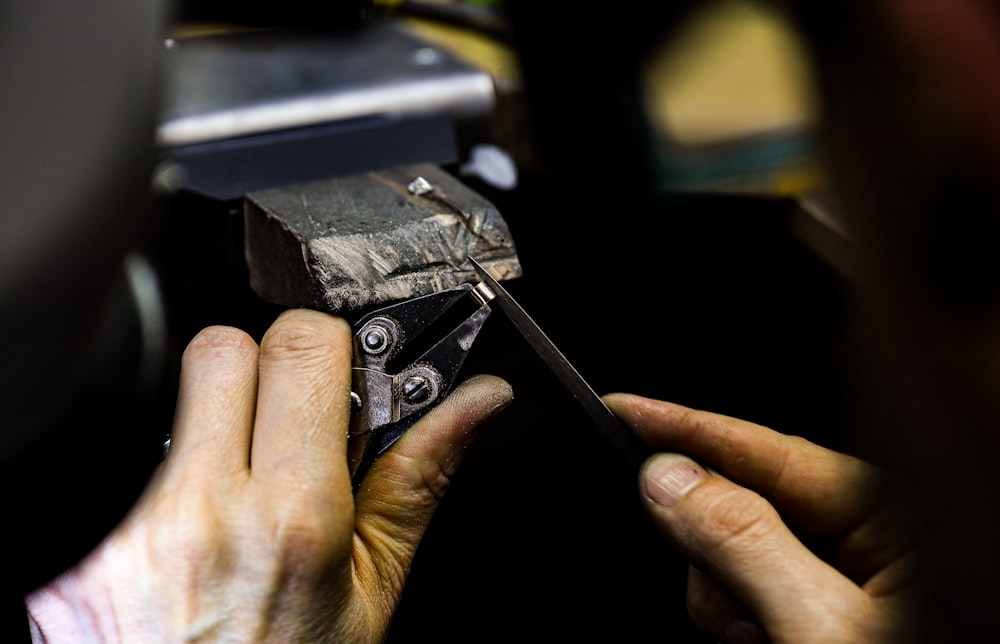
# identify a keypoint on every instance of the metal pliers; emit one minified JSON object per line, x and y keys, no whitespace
{"x":391,"y":387}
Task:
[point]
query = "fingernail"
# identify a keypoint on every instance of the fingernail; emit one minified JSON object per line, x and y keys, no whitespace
{"x":745,"y":632}
{"x":670,"y":476}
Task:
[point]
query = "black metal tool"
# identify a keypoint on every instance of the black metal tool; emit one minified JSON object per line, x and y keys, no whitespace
{"x":392,"y":388}
{"x":609,"y":425}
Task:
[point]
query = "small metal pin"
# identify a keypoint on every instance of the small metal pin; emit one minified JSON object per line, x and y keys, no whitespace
{"x":482,"y":294}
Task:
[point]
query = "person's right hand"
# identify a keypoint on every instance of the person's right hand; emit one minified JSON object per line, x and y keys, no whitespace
{"x":250,"y":531}
{"x":742,"y":515}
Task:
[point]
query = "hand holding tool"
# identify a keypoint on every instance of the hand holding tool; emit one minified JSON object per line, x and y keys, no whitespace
{"x":389,"y":401}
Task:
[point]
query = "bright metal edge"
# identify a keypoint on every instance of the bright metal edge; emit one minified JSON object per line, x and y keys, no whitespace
{"x":465,"y":95}
{"x":574,"y":382}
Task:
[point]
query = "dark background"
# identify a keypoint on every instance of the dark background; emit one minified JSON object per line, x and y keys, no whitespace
{"x":711,"y":303}
{"x":707,"y":300}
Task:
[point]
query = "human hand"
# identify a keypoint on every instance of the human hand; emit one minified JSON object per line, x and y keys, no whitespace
{"x":249,"y":531}
{"x":743,"y":518}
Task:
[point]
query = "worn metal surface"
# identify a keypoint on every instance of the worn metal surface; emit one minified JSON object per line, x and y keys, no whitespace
{"x":351,"y":242}
{"x":238,"y":83}
{"x":247,"y":110}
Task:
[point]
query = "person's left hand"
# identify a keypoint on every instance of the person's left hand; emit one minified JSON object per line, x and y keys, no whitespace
{"x":787,"y":540}
{"x":249,"y":530}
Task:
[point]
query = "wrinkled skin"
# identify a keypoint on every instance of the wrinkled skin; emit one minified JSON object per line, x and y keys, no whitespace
{"x":249,"y":531}
{"x":740,"y":502}
{"x":795,"y":543}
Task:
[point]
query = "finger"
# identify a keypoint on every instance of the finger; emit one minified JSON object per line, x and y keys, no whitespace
{"x":303,"y":404}
{"x":401,"y":491}
{"x":795,"y":475}
{"x":739,"y":539}
{"x":713,"y":608}
{"x":868,"y":549}
{"x":215,"y":405}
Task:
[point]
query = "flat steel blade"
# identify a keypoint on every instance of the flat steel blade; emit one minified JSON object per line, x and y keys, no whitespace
{"x":609,"y":425}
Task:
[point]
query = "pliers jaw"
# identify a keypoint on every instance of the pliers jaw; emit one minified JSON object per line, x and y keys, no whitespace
{"x":389,"y":400}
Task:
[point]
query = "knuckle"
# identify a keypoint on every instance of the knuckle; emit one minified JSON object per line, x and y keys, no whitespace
{"x":306,"y":336}
{"x":736,"y":517}
{"x":427,"y":480}
{"x":191,"y":533}
{"x":436,"y":480}
{"x":292,"y":335}
{"x":303,"y":538}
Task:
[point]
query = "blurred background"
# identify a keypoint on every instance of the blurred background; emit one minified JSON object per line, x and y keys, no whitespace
{"x":658,"y":168}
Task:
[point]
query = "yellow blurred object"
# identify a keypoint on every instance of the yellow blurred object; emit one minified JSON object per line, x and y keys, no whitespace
{"x":737,"y":70}
{"x":512,"y":121}
{"x":472,"y":47}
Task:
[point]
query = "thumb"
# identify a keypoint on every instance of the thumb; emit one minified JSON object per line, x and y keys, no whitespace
{"x":399,"y":495}
{"x":737,"y":537}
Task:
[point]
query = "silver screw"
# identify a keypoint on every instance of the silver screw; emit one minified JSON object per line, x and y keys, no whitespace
{"x":416,"y":389}
{"x":375,"y":339}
